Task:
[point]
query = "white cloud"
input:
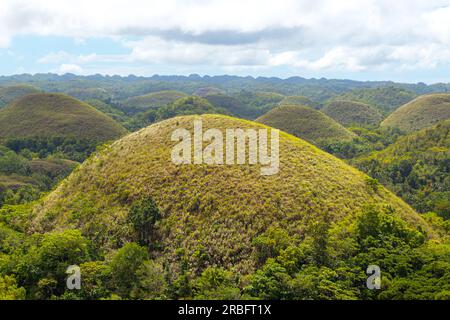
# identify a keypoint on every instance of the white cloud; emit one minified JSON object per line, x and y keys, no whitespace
{"x":69,"y":68}
{"x":353,"y":35}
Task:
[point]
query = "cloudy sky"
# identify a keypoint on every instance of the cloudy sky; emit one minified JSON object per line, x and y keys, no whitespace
{"x":402,"y":40}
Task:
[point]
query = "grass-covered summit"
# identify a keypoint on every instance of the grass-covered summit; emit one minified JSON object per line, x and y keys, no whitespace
{"x":424,"y":111}
{"x":56,"y":115}
{"x":12,"y":92}
{"x":350,"y":113}
{"x":209,"y":215}
{"x":306,"y":123}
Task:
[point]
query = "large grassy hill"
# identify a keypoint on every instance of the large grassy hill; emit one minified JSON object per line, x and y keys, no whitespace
{"x":210,"y":214}
{"x":424,"y":111}
{"x":10,"y":93}
{"x":350,"y":113}
{"x":51,"y":115}
{"x":306,"y":123}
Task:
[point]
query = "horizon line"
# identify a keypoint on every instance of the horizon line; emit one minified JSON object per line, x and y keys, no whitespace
{"x":206,"y":76}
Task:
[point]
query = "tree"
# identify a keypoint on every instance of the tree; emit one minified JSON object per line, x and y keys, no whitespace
{"x":9,"y":289}
{"x":152,"y":283}
{"x":124,"y":264}
{"x":144,"y":215}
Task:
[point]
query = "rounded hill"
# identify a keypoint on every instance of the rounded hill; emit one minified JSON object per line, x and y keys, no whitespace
{"x":424,"y":111}
{"x":305,"y":123}
{"x":350,"y":113}
{"x":208,"y":214}
{"x":56,"y":115}
{"x":10,"y":93}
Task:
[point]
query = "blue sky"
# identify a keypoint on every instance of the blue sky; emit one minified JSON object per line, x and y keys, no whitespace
{"x":402,"y":40}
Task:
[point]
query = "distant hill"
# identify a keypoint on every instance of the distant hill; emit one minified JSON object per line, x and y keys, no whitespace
{"x":385,"y":99}
{"x":189,"y":105}
{"x":206,"y":91}
{"x":422,"y":112}
{"x":416,"y":167}
{"x":299,"y":100}
{"x":51,"y":114}
{"x":214,"y":215}
{"x":259,"y":101}
{"x":10,"y":93}
{"x":153,"y":100}
{"x":233,"y":106}
{"x":350,"y":113}
{"x":89,"y":93}
{"x":305,"y":123}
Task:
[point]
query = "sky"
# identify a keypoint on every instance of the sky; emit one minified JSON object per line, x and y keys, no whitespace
{"x":399,"y":40}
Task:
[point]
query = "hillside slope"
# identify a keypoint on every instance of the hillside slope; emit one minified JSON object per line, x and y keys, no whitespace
{"x":305,"y":123}
{"x":51,"y":115}
{"x":209,"y":211}
{"x":416,"y":167}
{"x":10,"y":93}
{"x":424,"y":111}
{"x":350,"y":113}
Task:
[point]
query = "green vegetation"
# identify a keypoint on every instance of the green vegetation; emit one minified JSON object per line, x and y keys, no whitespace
{"x":109,"y":110}
{"x":233,"y":106}
{"x":309,"y":232}
{"x":306,"y":123}
{"x":13,"y":92}
{"x":141,"y":227}
{"x":23,"y":176}
{"x":299,"y":100}
{"x":350,"y":113}
{"x":261,"y":102}
{"x":85,"y":94}
{"x":185,"y":106}
{"x":206,"y":91}
{"x":151,"y":101}
{"x":56,"y":115}
{"x":416,"y":167}
{"x":366,"y":141}
{"x":425,"y":111}
{"x":385,"y":99}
